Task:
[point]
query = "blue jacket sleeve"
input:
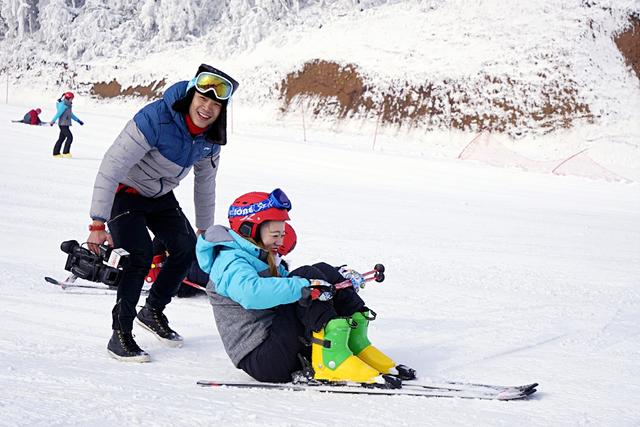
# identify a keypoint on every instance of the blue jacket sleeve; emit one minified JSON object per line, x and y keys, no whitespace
{"x":60,"y":108}
{"x":74,"y":117}
{"x":241,"y":282}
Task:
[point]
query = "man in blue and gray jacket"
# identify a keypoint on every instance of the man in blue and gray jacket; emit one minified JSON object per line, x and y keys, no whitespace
{"x":133,"y":192}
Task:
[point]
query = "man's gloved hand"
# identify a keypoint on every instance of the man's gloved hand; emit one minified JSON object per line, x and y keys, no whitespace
{"x":357,"y":280}
{"x":318,"y":290}
{"x":81,"y":122}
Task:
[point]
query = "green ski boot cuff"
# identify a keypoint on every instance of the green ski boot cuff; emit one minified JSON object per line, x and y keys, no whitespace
{"x":358,"y":339}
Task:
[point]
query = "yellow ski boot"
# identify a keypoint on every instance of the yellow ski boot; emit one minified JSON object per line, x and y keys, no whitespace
{"x":331,"y":358}
{"x":360,"y":345}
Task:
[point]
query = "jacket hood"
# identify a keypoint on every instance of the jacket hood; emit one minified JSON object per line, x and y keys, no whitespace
{"x":174,"y":93}
{"x":219,"y":237}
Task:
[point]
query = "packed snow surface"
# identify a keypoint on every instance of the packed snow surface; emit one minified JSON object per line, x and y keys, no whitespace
{"x":505,"y":275}
{"x":493,"y":275}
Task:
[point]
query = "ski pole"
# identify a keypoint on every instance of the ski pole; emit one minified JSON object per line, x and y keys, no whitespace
{"x":376,"y":274}
{"x":347,"y":283}
{"x":194,"y":285}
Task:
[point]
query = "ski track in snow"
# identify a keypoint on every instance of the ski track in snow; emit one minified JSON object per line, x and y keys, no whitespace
{"x":493,"y":275}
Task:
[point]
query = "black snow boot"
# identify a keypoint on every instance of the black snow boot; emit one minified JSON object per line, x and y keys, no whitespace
{"x":156,"y":322}
{"x":123,"y":347}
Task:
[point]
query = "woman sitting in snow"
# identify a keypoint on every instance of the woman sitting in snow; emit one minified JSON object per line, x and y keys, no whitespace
{"x":267,"y":316}
{"x":32,"y":117}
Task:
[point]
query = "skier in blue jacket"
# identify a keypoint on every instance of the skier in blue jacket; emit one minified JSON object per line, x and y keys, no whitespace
{"x":133,"y":193}
{"x":64,"y":115}
{"x":262,"y":310}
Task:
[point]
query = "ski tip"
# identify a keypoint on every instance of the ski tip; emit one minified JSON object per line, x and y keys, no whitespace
{"x":522,"y":395}
{"x":528,"y":387}
{"x":51,"y":280}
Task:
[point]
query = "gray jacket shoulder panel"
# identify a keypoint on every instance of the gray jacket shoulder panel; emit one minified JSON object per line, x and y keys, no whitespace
{"x":218,"y":233}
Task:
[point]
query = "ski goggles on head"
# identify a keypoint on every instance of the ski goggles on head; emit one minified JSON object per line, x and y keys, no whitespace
{"x":277,"y":199}
{"x":206,"y":81}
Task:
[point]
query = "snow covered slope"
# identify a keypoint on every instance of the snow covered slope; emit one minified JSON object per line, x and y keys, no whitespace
{"x":518,"y":67}
{"x":493,"y":275}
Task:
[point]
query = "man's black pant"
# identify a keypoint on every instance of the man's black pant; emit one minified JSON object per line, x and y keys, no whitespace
{"x":131,"y":216}
{"x":65,"y":134}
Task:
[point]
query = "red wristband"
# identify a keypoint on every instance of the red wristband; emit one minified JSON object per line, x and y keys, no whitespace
{"x":93,"y":227}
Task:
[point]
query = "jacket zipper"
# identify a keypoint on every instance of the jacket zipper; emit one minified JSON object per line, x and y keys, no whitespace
{"x":118,"y":216}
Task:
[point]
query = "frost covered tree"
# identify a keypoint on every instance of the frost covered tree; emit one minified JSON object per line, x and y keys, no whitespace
{"x":3,"y":27}
{"x":56,"y":19}
{"x":174,"y":21}
{"x":102,"y":27}
{"x":86,"y":29}
{"x":19,"y":17}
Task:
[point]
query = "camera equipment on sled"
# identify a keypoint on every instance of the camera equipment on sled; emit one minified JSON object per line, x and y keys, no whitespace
{"x":105,"y":267}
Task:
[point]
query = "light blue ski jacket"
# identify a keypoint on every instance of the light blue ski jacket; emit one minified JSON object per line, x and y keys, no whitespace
{"x":235,"y":265}
{"x":241,"y":290}
{"x":64,"y":113}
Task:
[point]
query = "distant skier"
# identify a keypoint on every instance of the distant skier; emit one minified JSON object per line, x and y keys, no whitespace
{"x":31,"y":118}
{"x":264,"y":312}
{"x":64,"y":115}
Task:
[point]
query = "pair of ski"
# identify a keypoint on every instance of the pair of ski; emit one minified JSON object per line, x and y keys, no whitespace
{"x":450,"y":389}
{"x":70,"y":283}
{"x":39,"y":124}
{"x":392,"y":385}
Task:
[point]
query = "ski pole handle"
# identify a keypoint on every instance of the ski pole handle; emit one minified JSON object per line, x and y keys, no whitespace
{"x":347,"y":283}
{"x":376,"y":274}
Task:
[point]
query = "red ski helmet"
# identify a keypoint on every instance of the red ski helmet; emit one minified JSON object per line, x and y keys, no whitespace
{"x":250,"y":210}
{"x":68,"y":95}
{"x":289,"y":241}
